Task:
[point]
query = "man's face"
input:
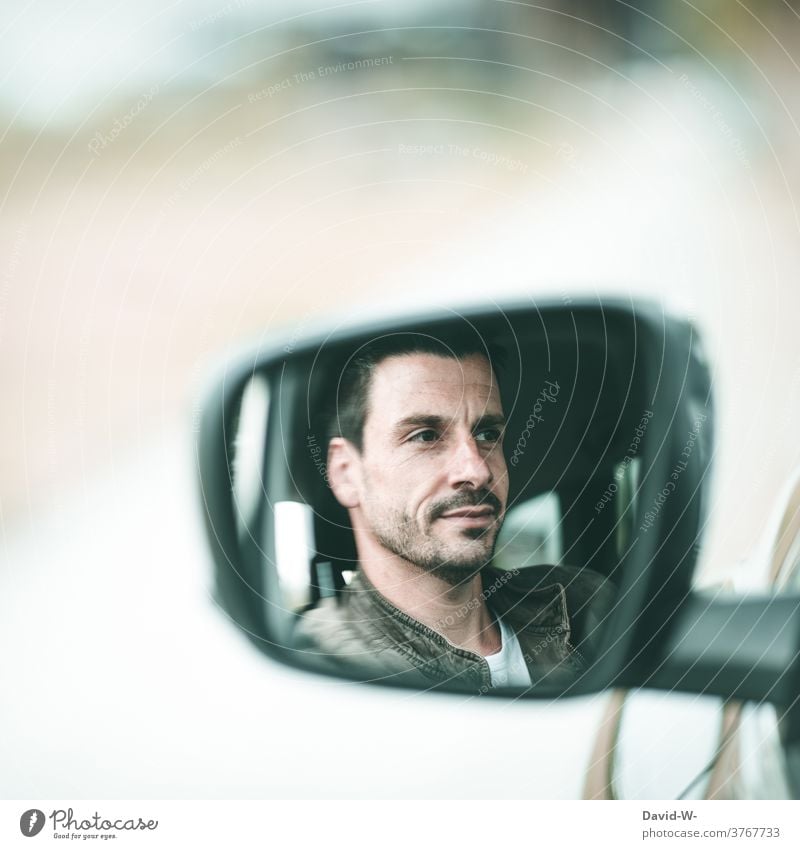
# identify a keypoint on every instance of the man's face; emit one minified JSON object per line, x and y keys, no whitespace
{"x":433,"y":479}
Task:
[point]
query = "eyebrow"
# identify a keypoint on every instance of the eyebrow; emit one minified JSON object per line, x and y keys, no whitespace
{"x":428,"y":420}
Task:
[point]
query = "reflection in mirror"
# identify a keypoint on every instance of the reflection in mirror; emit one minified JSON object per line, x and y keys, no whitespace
{"x":437,"y":523}
{"x":248,"y":453}
{"x":294,"y":551}
{"x":531,"y":534}
{"x":454,"y":502}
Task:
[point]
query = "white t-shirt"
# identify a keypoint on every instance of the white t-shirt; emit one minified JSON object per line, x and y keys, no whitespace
{"x":507,"y":667}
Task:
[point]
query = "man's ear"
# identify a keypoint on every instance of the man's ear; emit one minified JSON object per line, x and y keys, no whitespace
{"x":344,"y":471}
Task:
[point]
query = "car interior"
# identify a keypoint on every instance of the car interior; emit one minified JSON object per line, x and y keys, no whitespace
{"x":567,"y":414}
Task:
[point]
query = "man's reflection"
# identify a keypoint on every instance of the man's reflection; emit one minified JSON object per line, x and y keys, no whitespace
{"x":415,"y":455}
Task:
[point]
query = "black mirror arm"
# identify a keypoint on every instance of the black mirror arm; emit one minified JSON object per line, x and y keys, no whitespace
{"x":745,"y":649}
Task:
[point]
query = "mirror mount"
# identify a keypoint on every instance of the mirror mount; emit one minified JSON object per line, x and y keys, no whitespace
{"x":743,"y":648}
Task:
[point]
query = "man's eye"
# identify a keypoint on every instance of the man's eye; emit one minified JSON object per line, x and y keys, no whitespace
{"x":424,"y":436}
{"x":492,"y":434}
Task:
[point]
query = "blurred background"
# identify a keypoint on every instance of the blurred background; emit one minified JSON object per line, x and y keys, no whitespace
{"x":176,"y":179}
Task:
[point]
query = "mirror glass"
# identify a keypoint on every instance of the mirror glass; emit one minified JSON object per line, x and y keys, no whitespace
{"x":446,"y":504}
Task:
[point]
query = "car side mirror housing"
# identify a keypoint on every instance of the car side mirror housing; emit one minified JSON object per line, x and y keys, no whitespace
{"x":611,"y":474}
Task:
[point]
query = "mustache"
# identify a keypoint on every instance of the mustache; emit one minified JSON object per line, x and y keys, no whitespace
{"x":478,"y":498}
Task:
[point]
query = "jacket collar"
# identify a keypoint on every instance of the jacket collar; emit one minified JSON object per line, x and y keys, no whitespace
{"x":515,"y":596}
{"x":364,"y":633}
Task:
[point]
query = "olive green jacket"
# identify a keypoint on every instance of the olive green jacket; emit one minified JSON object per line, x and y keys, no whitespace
{"x":555,"y":611}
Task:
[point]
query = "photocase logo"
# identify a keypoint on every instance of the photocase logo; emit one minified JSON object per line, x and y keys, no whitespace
{"x":31,"y":822}
{"x":66,"y":825}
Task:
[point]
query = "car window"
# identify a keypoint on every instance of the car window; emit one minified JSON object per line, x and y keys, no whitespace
{"x":535,"y":531}
{"x":532,"y":534}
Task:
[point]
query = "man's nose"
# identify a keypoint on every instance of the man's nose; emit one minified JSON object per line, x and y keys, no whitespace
{"x":469,"y":465}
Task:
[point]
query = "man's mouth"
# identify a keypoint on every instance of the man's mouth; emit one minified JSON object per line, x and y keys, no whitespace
{"x":471,"y":517}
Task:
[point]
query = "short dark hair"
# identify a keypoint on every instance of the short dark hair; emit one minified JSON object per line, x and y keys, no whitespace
{"x":350,"y":407}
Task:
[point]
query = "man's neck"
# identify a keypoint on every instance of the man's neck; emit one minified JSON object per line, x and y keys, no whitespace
{"x":459,"y":613}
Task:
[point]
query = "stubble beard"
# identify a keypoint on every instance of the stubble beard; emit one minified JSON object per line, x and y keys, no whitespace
{"x":402,"y":536}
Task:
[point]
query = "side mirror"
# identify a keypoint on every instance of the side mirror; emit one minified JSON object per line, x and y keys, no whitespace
{"x":610,"y":473}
